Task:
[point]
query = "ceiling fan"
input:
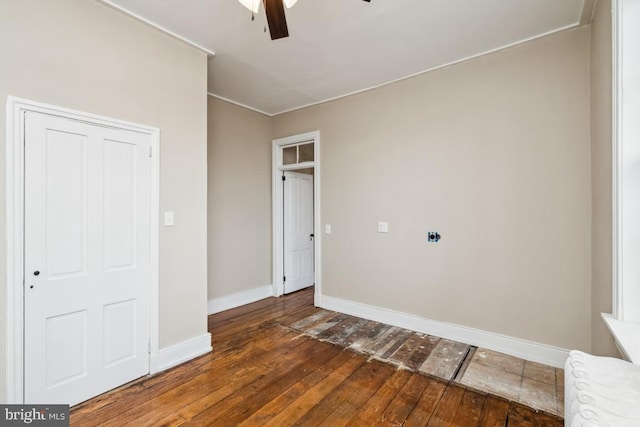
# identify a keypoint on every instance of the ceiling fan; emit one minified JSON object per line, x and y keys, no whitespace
{"x":274,"y":10}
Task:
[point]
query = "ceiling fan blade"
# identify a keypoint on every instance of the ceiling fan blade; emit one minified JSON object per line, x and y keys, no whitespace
{"x":275,"y":18}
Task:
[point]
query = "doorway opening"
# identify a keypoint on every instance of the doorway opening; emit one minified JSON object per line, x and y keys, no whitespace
{"x":296,"y":213}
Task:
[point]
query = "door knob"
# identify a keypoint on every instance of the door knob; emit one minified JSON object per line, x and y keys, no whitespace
{"x":36,"y":273}
{"x":311,"y":236}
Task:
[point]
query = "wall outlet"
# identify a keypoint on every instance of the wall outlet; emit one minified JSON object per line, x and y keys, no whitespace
{"x":383,"y":227}
{"x":433,"y":236}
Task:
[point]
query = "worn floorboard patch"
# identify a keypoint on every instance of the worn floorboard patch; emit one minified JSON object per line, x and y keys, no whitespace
{"x":408,"y":350}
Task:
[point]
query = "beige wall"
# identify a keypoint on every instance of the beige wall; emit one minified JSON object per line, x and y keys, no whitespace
{"x":601,"y":149}
{"x":82,"y":55}
{"x":239,"y":214}
{"x":494,"y":154}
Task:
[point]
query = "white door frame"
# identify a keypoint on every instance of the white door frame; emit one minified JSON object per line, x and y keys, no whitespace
{"x":616,"y":159}
{"x":14,"y":162}
{"x":625,"y":291}
{"x":277,"y":206}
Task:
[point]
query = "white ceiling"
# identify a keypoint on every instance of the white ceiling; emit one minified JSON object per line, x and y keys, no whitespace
{"x":338,"y":47}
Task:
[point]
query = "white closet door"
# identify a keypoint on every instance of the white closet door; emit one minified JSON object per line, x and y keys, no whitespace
{"x":87,"y":257}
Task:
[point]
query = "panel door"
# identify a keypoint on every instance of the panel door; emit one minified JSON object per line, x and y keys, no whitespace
{"x":298,"y":231}
{"x":87,"y":258}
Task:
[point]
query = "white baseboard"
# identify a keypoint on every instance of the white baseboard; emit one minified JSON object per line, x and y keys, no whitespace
{"x":528,"y":350}
{"x":216,"y":305}
{"x":180,"y":353}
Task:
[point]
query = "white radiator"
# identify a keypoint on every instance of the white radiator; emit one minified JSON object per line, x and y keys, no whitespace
{"x":601,"y":392}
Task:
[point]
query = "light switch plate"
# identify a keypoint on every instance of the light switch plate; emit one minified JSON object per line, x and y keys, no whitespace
{"x":168,"y":219}
{"x":383,"y":227}
{"x":327,"y":229}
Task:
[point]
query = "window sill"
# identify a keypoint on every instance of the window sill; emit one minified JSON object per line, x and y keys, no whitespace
{"x":627,"y":335}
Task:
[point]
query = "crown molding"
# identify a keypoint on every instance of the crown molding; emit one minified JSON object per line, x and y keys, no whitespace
{"x":126,"y":11}
{"x":239,"y":104}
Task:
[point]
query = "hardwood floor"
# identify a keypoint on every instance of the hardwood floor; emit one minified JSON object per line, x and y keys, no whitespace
{"x":263,"y":373}
{"x":534,"y":385}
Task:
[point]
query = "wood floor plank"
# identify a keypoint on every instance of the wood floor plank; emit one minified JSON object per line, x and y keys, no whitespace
{"x":107,"y":400}
{"x":246,"y":338}
{"x":244,"y":402}
{"x":255,"y":319}
{"x":494,"y":413}
{"x":212,"y":405}
{"x":390,"y":342}
{"x":470,"y":409}
{"x":310,"y":398}
{"x":141,"y":390}
{"x":400,"y":339}
{"x":427,"y":403}
{"x":270,"y":309}
{"x":404,"y":402}
{"x":288,"y":396}
{"x":306,"y":322}
{"x":386,"y":335}
{"x":359,"y":389}
{"x":546,"y":420}
{"x":521,"y":416}
{"x":343,"y":337}
{"x":373,"y":409}
{"x":239,"y":312}
{"x":345,"y":326}
{"x":444,"y":360}
{"x":326,"y":324}
{"x":414,"y":351}
{"x":445,"y":412}
{"x":150,"y":419}
{"x":425,"y":347}
{"x":405,"y":351}
{"x":369,"y":330}
{"x":94,"y":413}
{"x":370,"y":343}
{"x":363,"y":382}
{"x":293,"y":315}
{"x":244,"y":313}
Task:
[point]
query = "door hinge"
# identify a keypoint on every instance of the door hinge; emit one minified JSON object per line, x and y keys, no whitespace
{"x":149,"y":347}
{"x":150,"y":151}
{"x":284,"y":279}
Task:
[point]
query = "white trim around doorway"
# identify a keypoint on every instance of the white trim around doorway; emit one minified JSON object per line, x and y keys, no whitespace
{"x":277,"y":203}
{"x":14,"y":162}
